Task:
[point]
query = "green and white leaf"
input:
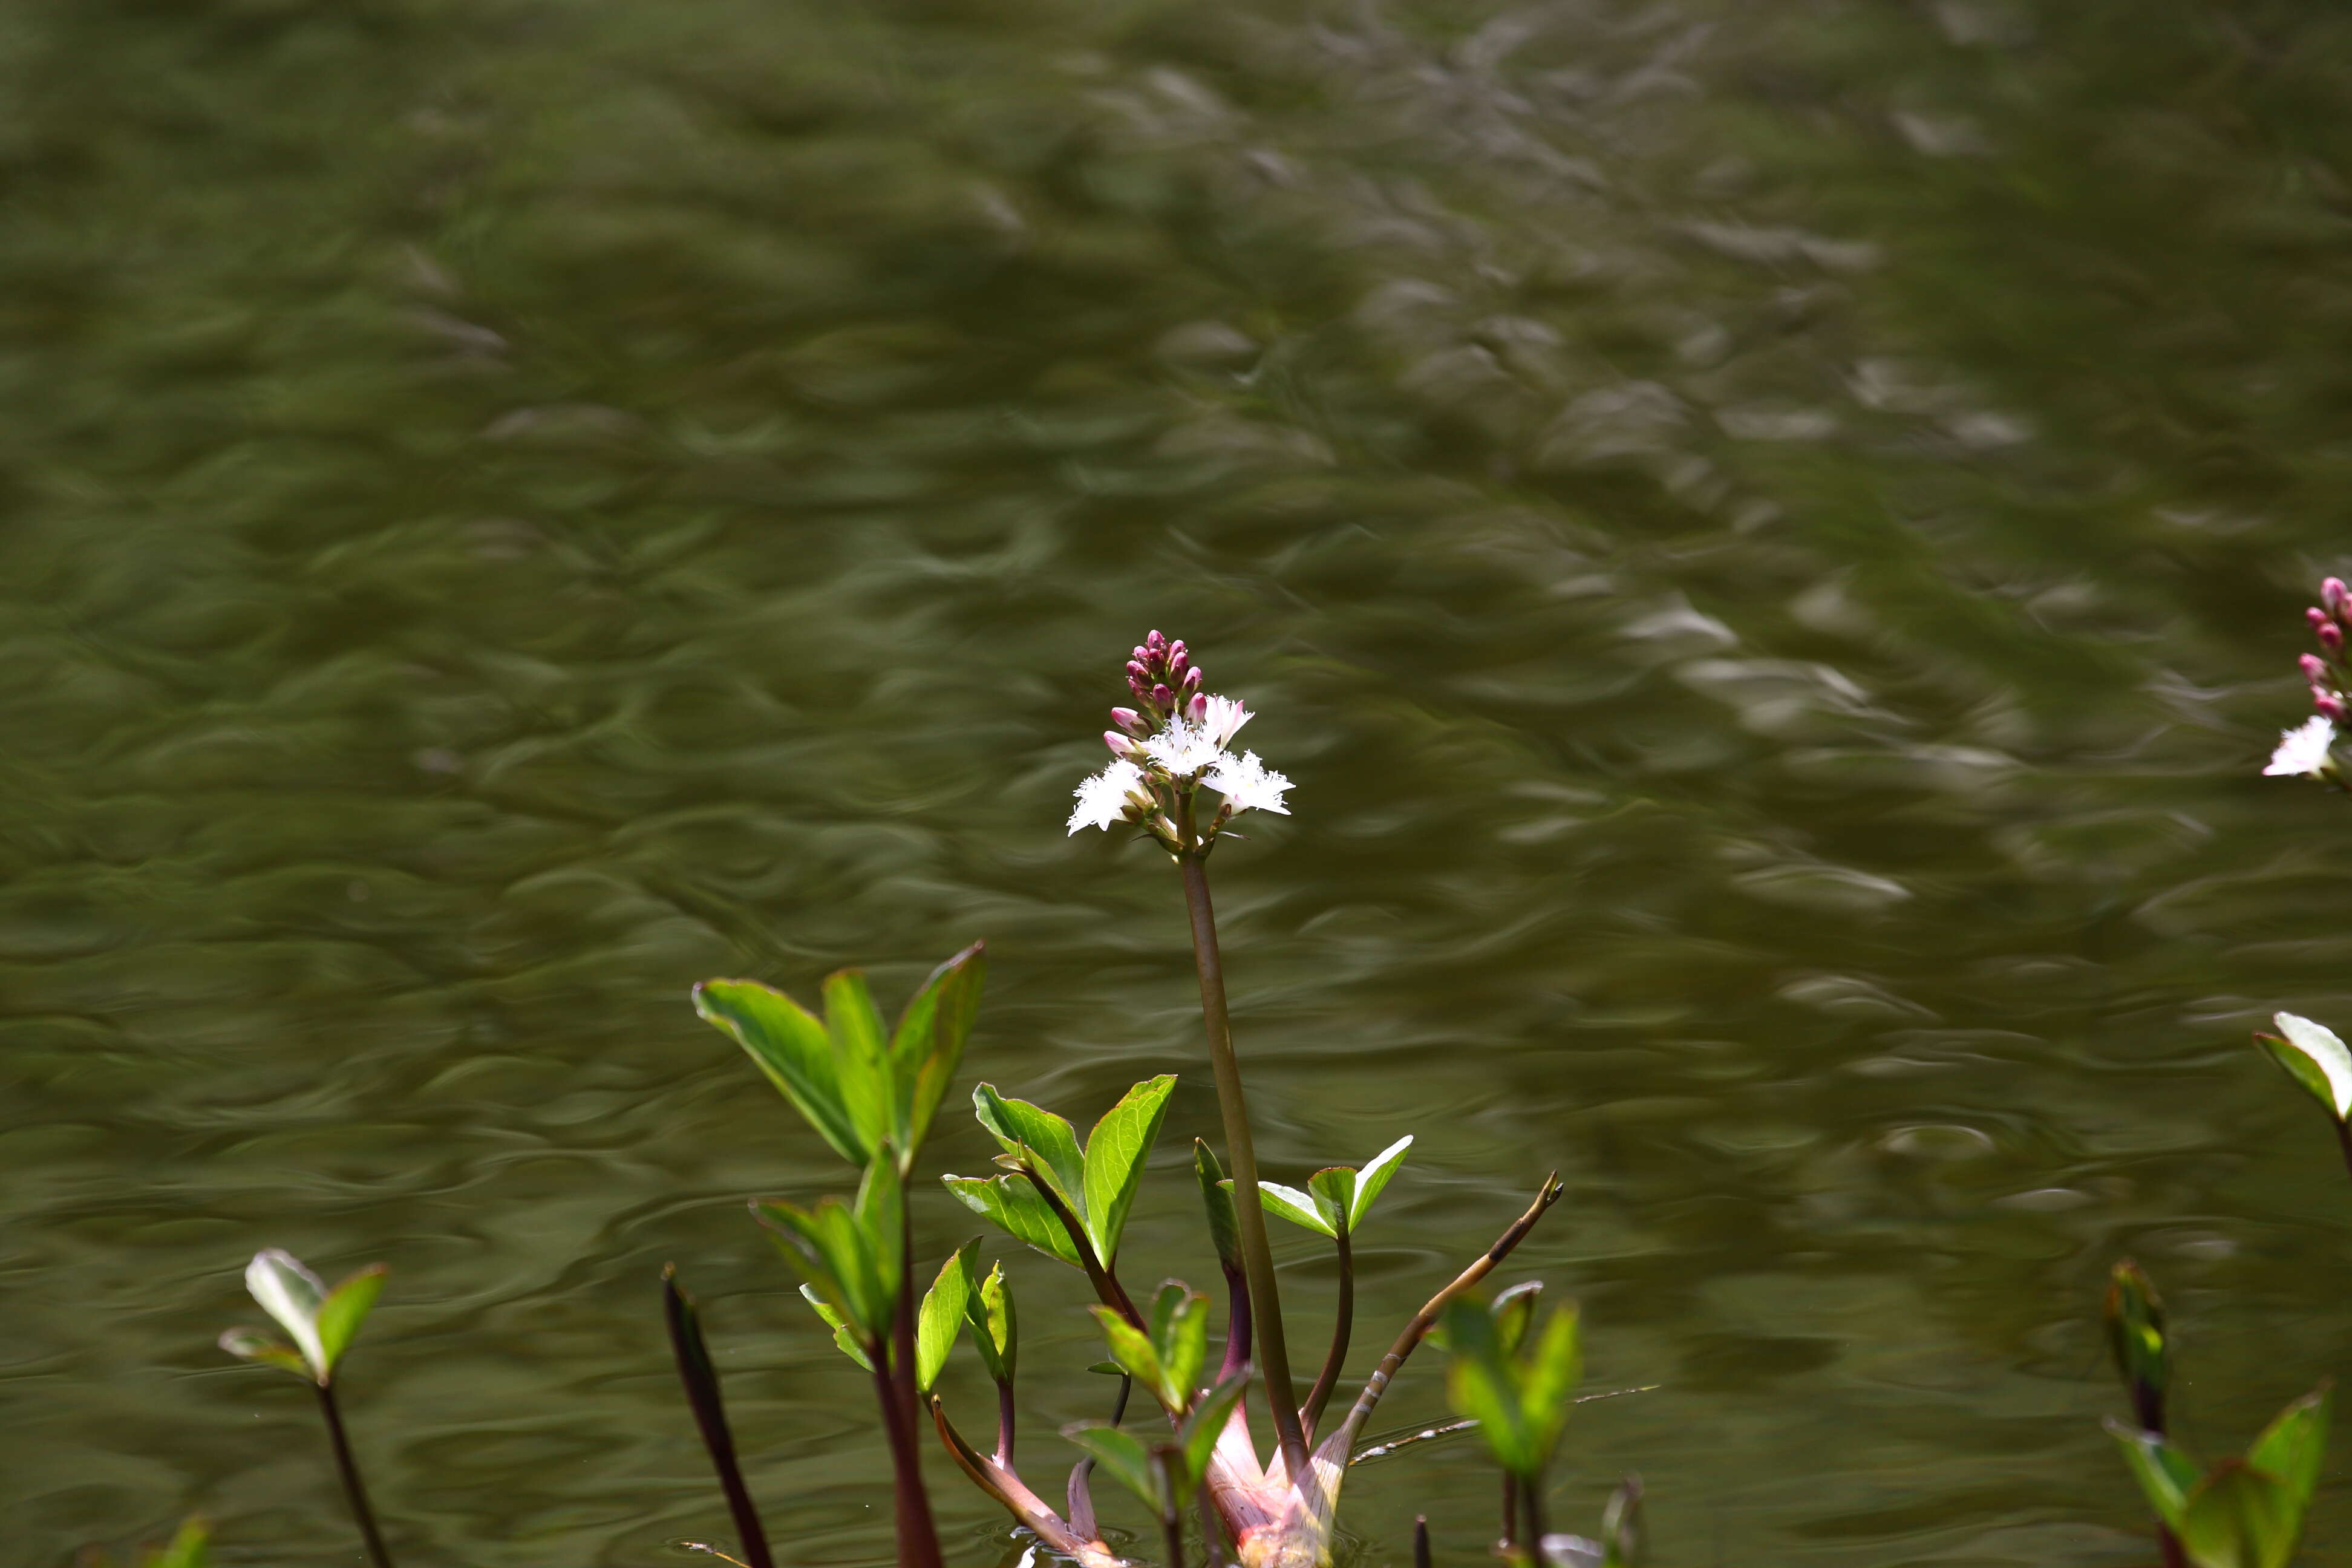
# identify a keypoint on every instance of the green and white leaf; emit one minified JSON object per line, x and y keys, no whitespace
{"x":941,"y":1320}
{"x":996,"y":1328}
{"x":2316,"y":1058}
{"x":1123,"y":1456}
{"x":1217,"y":1200}
{"x":252,"y":1344}
{"x":928,"y":1045}
{"x":1373,"y":1177}
{"x":2165,"y":1474}
{"x":1032,"y":1133}
{"x":1290,"y":1203}
{"x":291,"y":1295}
{"x":2238,"y":1517}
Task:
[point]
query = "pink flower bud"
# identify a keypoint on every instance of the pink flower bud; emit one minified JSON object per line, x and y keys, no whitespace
{"x":2332,"y":594}
{"x":2331,"y":638}
{"x":1120,"y":746}
{"x":1135,"y":684}
{"x":2313,"y":671}
{"x":2316,"y":616}
{"x":1198,"y":709}
{"x":1128,"y":719}
{"x":1156,"y":643}
{"x":1162,"y":698}
{"x":2330,"y":706}
{"x":1191,"y":681}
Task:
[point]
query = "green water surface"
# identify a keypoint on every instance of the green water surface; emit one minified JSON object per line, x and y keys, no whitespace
{"x":1769,"y":536}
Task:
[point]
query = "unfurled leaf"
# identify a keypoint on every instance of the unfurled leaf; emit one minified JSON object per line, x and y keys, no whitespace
{"x":345,"y":1309}
{"x":1124,"y":1458}
{"x":252,"y":1344}
{"x":190,"y":1548}
{"x":2292,"y":1447}
{"x":2238,"y":1517}
{"x":829,"y":1246}
{"x":1133,"y":1350}
{"x":1179,"y":1336}
{"x":1373,"y":1177}
{"x":1015,"y":1205}
{"x":292,"y":1295}
{"x":1520,"y":1401}
{"x":996,"y":1329}
{"x":1034,"y":1135}
{"x":1113,"y":1162}
{"x":793,"y":1050}
{"x":1623,"y":1542}
{"x":1217,"y":1199}
{"x":844,"y":1335}
{"x":928,"y":1046}
{"x":2165,"y":1474}
{"x":1290,"y":1203}
{"x":1513,"y":1311}
{"x":2314,"y":1057}
{"x":942,"y":1316}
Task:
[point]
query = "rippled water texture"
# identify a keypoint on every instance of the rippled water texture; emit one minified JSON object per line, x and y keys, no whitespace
{"x":1770,"y":538}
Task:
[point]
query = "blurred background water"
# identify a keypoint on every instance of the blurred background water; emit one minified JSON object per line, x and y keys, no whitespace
{"x":1771,"y":539}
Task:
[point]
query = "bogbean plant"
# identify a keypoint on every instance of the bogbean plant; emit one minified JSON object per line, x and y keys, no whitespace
{"x":872,"y":1094}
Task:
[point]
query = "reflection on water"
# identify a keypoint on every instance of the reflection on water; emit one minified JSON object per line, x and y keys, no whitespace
{"x":1769,"y":538}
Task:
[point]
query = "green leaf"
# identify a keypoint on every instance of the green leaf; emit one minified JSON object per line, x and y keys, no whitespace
{"x":1180,"y":1340}
{"x":1126,"y":1460}
{"x":1373,"y":1177}
{"x":1012,"y":1203}
{"x":1217,"y":1198}
{"x":1552,"y":1366}
{"x":1513,"y":1311}
{"x":345,"y":1309}
{"x":1293,"y":1206}
{"x":191,"y":1548}
{"x":2291,"y":1448}
{"x":2165,"y":1474}
{"x":292,"y":1295}
{"x":1480,"y":1386}
{"x":853,"y":1025}
{"x":843,"y":1334}
{"x":2316,"y":1059}
{"x":793,"y":1050}
{"x":1333,"y":1192}
{"x":995,"y":1328}
{"x":2238,"y":1518}
{"x":928,"y":1046}
{"x":942,"y":1316}
{"x":252,"y":1344}
{"x":881,"y":1222}
{"x":1196,"y":1437}
{"x":828,"y":1247}
{"x":1029,"y":1133}
{"x":1134,"y":1351}
{"x":1113,"y":1164}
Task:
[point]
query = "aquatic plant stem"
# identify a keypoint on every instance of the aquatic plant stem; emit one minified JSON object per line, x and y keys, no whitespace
{"x":354,"y":1491}
{"x":1272,"y":1351}
{"x":1320,"y":1395}
{"x":893,"y":1377}
{"x":1531,"y":1499}
{"x":1421,"y":1541}
{"x":2344,"y":1142}
{"x":701,"y":1379}
{"x":1171,"y":1531}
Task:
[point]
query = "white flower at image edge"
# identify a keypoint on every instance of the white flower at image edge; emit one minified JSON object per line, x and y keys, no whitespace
{"x":2303,"y":753}
{"x":1102,"y":799}
{"x":1248,"y":785}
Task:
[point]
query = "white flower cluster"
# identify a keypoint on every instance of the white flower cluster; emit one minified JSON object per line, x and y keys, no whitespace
{"x":1190,"y":747}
